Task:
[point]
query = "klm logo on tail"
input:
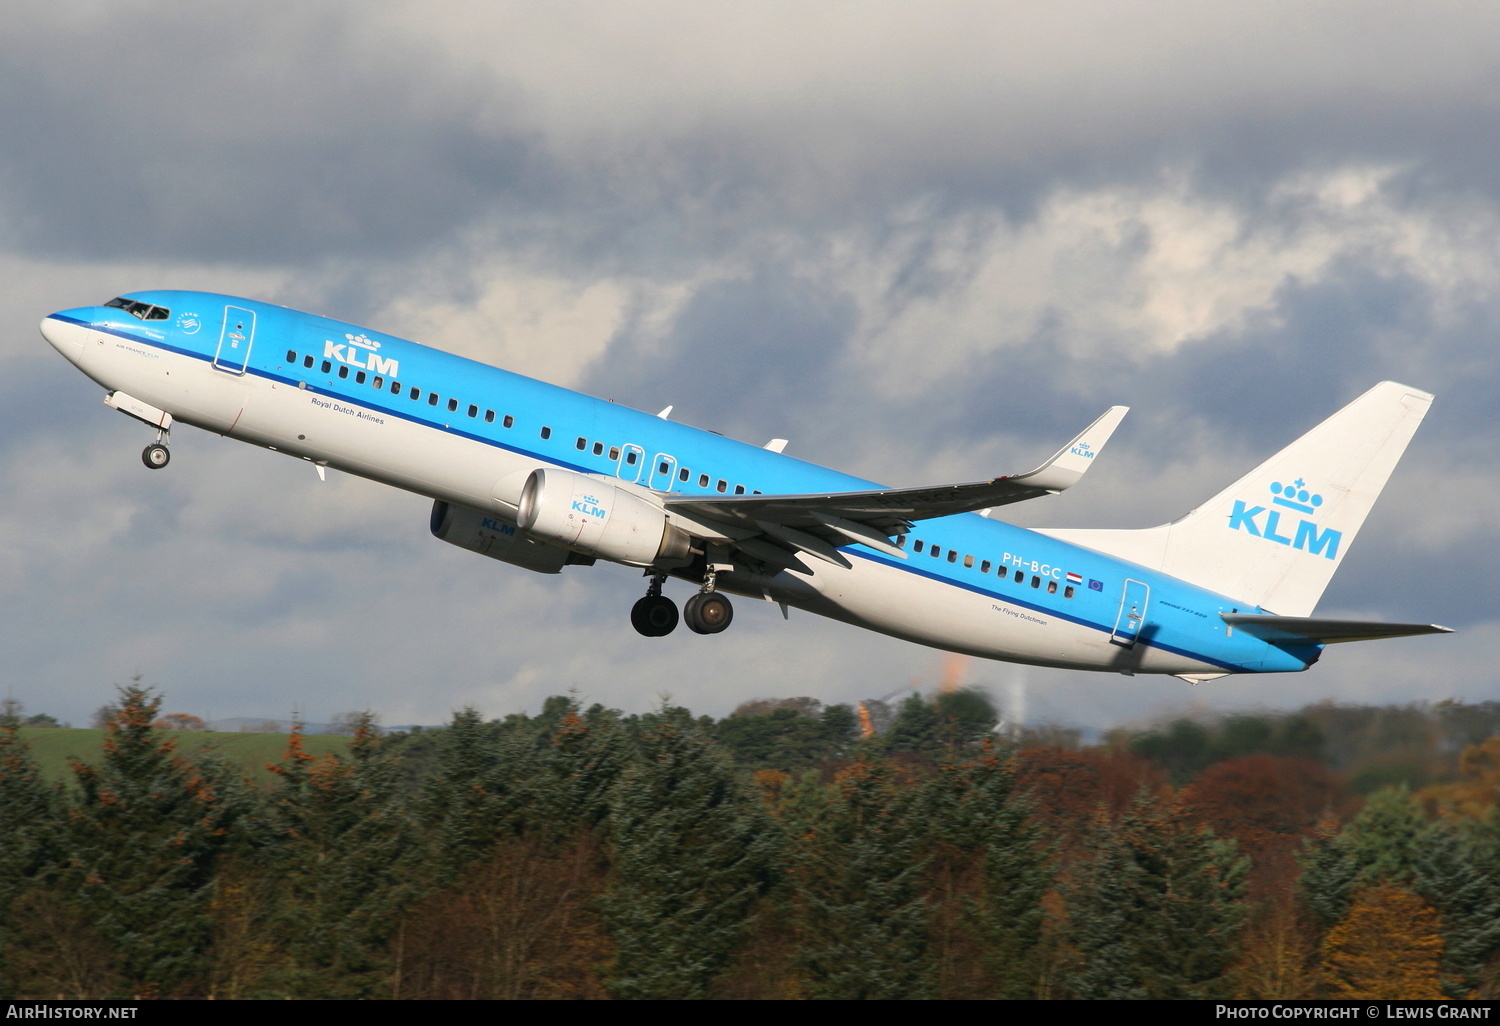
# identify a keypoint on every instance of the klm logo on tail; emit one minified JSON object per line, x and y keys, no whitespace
{"x":1304,"y":536}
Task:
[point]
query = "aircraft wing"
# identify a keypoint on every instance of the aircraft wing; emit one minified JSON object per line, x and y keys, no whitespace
{"x":1304,"y":629}
{"x":873,"y":517}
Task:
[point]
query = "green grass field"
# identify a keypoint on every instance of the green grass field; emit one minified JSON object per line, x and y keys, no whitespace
{"x":52,"y":747}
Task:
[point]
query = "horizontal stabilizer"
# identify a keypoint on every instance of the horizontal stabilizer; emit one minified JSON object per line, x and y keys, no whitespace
{"x":1304,"y":629}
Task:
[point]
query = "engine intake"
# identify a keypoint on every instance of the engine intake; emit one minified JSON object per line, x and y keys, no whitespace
{"x":599,"y":516}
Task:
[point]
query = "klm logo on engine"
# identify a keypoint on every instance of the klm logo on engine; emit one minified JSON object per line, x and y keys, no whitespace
{"x":1304,"y":536}
{"x":353,"y":347}
{"x":588,"y":506}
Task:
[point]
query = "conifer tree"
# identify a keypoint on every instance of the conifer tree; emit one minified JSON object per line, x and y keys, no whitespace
{"x":28,"y":830}
{"x":1456,"y":872}
{"x":1156,"y":911}
{"x":142,"y":844}
{"x":974,"y":814}
{"x":483,"y":779}
{"x":341,"y":845}
{"x":860,"y":891}
{"x":690,"y":850}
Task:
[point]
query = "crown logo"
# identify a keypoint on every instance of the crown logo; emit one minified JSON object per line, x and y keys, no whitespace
{"x":1295,"y":496}
{"x":362,"y":340}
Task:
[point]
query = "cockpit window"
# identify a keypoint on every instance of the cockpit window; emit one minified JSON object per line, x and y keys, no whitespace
{"x":141,"y":311}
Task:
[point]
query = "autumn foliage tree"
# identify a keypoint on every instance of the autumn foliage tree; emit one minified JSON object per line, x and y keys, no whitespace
{"x":1387,"y":948}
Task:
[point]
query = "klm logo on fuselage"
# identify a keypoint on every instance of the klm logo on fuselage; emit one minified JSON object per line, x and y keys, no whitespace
{"x":349,"y":351}
{"x":589,"y":506}
{"x":1304,"y":536}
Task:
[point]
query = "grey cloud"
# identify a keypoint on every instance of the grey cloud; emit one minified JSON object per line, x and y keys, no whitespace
{"x":223,"y":134}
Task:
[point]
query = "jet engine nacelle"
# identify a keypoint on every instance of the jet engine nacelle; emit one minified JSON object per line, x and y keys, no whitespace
{"x":598,"y":516}
{"x":488,"y":535}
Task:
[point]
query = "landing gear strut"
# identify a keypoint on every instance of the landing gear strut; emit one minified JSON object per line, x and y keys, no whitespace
{"x":708,"y":612}
{"x":655,"y":616}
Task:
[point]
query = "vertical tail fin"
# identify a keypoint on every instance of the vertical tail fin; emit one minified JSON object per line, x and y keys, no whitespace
{"x":1275,"y":536}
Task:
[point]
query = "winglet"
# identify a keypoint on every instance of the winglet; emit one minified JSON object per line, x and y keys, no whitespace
{"x":1064,"y":469}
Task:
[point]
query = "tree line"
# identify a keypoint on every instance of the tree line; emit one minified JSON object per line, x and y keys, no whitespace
{"x":783,"y":851}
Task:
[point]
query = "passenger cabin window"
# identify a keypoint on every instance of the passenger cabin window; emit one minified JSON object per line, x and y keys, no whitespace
{"x":546,"y":432}
{"x":632,"y":456}
{"x":1051,"y":587}
{"x":684,"y":474}
{"x":396,"y":387}
{"x":738,"y":489}
{"x":723,"y":484}
{"x":969,"y":562}
{"x":984,"y":567}
{"x":953,"y":555}
{"x":473,"y":410}
{"x":432,"y":398}
{"x":1068,"y":591}
{"x":415,"y":393}
{"x":614,"y":453}
{"x":489,"y":417}
{"x":452,"y":405}
{"x":307,"y":361}
{"x":343,"y":370}
{"x":378,"y":382}
{"x":598,"y":448}
{"x":702,"y":480}
{"x":916,"y":546}
{"x":509,"y":421}
{"x":291,"y":357}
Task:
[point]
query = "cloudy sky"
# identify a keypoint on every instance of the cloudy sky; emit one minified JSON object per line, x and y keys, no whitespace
{"x":925,"y":242}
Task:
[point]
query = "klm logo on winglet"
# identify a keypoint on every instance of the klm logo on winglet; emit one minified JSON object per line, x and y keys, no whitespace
{"x":1083,"y":449}
{"x":348,"y":352}
{"x":1305,"y":535}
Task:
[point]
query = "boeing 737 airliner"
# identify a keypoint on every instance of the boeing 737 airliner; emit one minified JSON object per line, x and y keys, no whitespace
{"x":545,"y":478}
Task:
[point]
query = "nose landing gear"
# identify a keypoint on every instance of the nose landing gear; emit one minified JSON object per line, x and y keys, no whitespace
{"x":156,"y":455}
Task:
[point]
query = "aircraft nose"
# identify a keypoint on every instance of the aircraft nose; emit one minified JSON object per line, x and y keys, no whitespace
{"x":66,"y":331}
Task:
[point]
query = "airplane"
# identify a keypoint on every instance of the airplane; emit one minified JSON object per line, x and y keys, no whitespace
{"x":546,"y":478}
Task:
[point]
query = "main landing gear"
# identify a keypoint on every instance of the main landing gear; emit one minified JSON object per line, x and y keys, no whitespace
{"x":707,"y":612}
{"x":655,"y":616}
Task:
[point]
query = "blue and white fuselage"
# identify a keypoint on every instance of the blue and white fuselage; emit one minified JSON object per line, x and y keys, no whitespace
{"x":544,"y":477}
